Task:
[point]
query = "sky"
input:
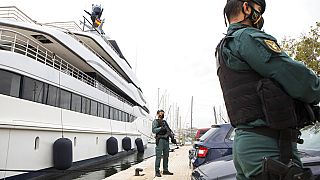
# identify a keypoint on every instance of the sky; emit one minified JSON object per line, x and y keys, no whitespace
{"x":170,"y":44}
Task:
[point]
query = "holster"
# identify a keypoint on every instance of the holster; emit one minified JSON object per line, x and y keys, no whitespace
{"x":276,"y":170}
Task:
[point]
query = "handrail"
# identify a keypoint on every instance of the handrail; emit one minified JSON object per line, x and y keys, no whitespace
{"x":16,"y":42}
{"x":12,"y":12}
{"x":67,"y":25}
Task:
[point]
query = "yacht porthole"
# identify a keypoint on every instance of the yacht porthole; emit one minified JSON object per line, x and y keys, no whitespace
{"x":75,"y":141}
{"x":36,"y":143}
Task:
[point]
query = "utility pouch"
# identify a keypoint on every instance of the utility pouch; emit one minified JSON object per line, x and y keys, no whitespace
{"x":278,"y":107}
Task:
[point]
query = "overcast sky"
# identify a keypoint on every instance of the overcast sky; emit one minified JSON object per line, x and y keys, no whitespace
{"x":170,"y":43}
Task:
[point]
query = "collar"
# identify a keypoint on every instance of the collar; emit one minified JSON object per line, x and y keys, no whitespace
{"x":235,"y":26}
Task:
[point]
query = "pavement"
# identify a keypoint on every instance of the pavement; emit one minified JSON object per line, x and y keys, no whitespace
{"x":178,"y":164}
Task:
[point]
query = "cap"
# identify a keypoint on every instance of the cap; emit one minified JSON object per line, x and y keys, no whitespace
{"x":262,"y":3}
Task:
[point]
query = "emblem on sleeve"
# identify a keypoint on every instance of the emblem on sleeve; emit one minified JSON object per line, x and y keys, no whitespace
{"x":273,"y":46}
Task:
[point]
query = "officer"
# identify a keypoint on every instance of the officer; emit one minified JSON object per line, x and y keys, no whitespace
{"x":262,"y":87}
{"x":160,"y":128}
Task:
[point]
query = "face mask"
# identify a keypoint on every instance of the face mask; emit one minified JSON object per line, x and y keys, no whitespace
{"x":256,"y":18}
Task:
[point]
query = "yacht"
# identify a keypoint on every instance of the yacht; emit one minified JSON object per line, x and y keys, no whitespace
{"x":68,"y":95}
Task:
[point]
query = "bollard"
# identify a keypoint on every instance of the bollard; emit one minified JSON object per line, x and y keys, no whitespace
{"x":137,"y":171}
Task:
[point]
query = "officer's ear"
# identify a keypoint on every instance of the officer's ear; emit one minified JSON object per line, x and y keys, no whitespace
{"x":246,"y":9}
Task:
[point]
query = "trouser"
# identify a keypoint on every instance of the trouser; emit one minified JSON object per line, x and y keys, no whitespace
{"x":250,"y":148}
{"x":162,"y":147}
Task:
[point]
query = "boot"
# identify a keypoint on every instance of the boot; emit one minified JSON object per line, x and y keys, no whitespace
{"x":167,"y":173}
{"x":158,"y":174}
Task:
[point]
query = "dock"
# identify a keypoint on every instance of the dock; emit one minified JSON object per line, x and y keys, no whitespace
{"x":178,"y":164}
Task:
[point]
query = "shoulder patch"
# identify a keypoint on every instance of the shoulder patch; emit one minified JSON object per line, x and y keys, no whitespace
{"x":273,"y":46}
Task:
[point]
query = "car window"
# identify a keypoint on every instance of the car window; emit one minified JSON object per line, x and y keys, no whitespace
{"x":232,"y":134}
{"x":311,"y":137}
{"x":202,"y":132}
{"x":207,"y":134}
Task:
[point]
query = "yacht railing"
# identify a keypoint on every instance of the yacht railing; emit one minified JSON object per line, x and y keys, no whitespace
{"x":90,"y":27}
{"x":68,"y":25}
{"x":12,"y":12}
{"x":16,"y":42}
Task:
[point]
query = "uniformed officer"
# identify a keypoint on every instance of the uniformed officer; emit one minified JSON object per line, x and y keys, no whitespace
{"x":162,"y":142}
{"x":262,"y":87}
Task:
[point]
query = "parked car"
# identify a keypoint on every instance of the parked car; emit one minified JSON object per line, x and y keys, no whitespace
{"x":223,"y":167}
{"x":215,"y":143}
{"x":201,"y":132}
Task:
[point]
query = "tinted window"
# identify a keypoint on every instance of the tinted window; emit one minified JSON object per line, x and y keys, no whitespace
{"x":115,"y":114}
{"x":232,"y":134}
{"x":94,"y":108}
{"x":208,"y":133}
{"x":52,"y":96}
{"x":111,"y":113}
{"x":100,"y":110}
{"x":76,"y":103}
{"x":9,"y":83}
{"x":125,"y":117}
{"x":106,"y":112}
{"x":85,"y":108}
{"x":32,"y":90}
{"x":65,"y":99}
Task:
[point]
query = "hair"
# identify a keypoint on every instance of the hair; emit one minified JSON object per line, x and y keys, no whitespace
{"x":232,"y":8}
{"x":160,"y":111}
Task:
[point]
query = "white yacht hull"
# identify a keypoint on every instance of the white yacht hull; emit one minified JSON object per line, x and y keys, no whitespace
{"x":28,"y":131}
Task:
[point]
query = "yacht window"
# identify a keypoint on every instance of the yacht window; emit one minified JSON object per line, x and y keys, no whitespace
{"x":94,"y":108}
{"x":52,"y":96}
{"x":65,"y":99}
{"x":121,"y":116}
{"x":75,"y":102}
{"x":85,"y":108}
{"x":115,"y":114}
{"x":100,"y":110}
{"x":41,"y":38}
{"x":9,"y":83}
{"x":111,"y":113}
{"x":127,"y":117}
{"x":32,"y":90}
{"x":106,"y":112}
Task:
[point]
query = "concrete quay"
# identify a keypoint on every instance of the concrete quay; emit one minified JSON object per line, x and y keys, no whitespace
{"x":178,"y":164}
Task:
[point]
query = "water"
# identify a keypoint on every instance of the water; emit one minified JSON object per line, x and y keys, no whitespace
{"x":107,"y":169}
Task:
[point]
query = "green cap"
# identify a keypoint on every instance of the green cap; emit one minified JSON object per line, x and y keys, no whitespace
{"x":262,"y":3}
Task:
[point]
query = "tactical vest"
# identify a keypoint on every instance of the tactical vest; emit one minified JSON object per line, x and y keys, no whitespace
{"x":248,"y":96}
{"x":160,"y":124}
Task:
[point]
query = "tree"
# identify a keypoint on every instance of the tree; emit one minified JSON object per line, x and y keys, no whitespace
{"x":306,"y":48}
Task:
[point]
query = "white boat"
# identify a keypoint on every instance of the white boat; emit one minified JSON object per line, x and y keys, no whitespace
{"x":62,"y":82}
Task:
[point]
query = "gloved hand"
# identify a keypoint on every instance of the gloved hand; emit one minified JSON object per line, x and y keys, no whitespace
{"x":163,"y":130}
{"x":174,"y":141}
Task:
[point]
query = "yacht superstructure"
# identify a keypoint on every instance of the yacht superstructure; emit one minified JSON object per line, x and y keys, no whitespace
{"x":58,"y":80}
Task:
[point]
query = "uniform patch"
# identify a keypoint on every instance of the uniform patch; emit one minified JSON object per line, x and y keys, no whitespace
{"x":273,"y":46}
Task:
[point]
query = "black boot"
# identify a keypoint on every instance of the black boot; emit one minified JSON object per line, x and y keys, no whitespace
{"x":167,"y":173}
{"x":158,"y":174}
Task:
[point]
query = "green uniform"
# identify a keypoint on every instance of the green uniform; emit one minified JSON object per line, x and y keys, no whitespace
{"x":162,"y":147}
{"x":250,"y":48}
